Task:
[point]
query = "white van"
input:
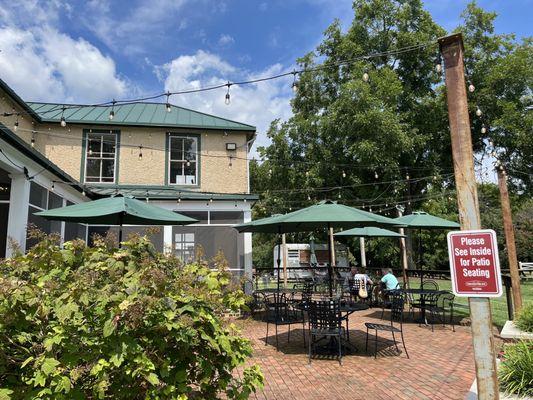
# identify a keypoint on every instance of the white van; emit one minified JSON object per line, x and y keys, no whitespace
{"x":299,"y":254}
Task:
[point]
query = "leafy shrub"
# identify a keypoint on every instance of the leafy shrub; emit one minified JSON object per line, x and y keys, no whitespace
{"x":516,"y":369}
{"x":130,"y":323}
{"x":524,"y":319}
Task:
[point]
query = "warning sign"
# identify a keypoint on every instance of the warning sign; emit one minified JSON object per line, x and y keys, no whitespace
{"x":474,"y":263}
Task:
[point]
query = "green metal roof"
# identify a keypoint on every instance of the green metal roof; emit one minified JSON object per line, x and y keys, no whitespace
{"x":136,"y":114}
{"x":166,"y":193}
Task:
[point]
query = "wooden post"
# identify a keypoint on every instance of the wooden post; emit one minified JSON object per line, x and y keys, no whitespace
{"x":452,"y":49}
{"x":284,"y":248}
{"x":509,"y":238}
{"x":403,"y":249}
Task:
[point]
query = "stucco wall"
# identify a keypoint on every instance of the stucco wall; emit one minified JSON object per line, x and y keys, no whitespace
{"x":25,"y":121}
{"x":64,"y":148}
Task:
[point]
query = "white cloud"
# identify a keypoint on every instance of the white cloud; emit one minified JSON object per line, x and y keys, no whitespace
{"x":225,"y":40}
{"x":44,"y":64}
{"x":255,"y":104}
{"x":133,"y":28}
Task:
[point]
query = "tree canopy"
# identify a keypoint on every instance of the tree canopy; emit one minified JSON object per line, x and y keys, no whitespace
{"x":373,"y":132}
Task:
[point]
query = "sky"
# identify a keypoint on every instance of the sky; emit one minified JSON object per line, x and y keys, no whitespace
{"x":93,"y":51}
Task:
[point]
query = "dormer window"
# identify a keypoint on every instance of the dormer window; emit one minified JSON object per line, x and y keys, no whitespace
{"x":183,"y":160}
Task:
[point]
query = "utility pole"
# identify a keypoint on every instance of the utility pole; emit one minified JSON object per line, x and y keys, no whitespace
{"x":451,"y":48}
{"x":509,"y":238}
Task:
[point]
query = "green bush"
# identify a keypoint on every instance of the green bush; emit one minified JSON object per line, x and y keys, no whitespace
{"x":524,"y":319}
{"x":516,"y":369}
{"x":130,"y":323}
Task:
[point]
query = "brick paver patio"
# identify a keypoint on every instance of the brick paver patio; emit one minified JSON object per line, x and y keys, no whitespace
{"x":441,"y":364}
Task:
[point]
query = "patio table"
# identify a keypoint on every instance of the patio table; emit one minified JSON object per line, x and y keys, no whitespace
{"x":423,"y":293}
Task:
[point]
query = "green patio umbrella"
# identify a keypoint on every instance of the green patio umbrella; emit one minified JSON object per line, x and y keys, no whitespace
{"x":324,"y":214}
{"x":422,"y":220}
{"x":117,"y":210}
{"x":369,"y":232}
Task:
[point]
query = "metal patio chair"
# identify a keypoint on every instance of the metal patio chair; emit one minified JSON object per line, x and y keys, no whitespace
{"x":280,"y":311}
{"x":325,"y":322}
{"x":395,"y":326}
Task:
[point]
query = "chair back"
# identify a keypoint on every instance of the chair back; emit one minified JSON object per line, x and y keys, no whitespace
{"x":276,"y":305}
{"x":430,"y":284}
{"x":445,"y":301}
{"x":397,"y":301}
{"x":324,"y":314}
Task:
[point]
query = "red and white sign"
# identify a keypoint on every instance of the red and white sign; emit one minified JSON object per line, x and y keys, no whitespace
{"x":474,"y":263}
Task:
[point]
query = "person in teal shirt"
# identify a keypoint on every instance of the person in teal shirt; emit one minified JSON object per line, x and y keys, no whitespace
{"x":389,"y":280}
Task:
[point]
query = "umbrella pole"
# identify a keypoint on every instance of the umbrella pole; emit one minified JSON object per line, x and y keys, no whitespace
{"x":420,"y":257}
{"x":330,"y":261}
{"x":278,"y":261}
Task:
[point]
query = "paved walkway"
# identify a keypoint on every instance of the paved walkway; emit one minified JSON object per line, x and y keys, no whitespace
{"x":440,"y":366}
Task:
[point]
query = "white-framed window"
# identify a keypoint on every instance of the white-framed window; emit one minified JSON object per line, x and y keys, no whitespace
{"x":184,"y":246}
{"x":100,"y":157}
{"x":183,"y":160}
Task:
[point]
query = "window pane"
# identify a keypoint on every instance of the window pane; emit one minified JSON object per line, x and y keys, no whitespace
{"x":108,"y":168}
{"x":176,"y":173}
{"x":38,"y":195}
{"x":190,"y":173}
{"x":93,"y":146}
{"x":201,"y":216}
{"x":190,"y":148}
{"x":109,"y":145}
{"x":93,"y":168}
{"x":176,"y":148}
{"x":54,"y":201}
{"x":227,"y":217}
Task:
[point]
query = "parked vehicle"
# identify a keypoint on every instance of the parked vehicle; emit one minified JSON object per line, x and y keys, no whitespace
{"x":299,"y":256}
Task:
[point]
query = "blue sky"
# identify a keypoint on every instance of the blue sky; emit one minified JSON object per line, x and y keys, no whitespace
{"x":89,"y":51}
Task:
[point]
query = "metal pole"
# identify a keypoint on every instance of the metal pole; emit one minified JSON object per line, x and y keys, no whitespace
{"x":363,"y":252}
{"x":278,"y":261}
{"x":509,"y":238}
{"x":451,"y":48}
{"x":330,"y":267}
{"x":508,"y":296}
{"x":284,"y":245}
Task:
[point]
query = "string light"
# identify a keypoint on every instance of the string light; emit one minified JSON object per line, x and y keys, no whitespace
{"x":230,"y":163}
{"x":53,"y":186}
{"x":188,"y":163}
{"x":483,"y":129}
{"x":438,"y":64}
{"x":112,"y":112}
{"x":343,"y":174}
{"x":140,"y":152}
{"x":63,"y":122}
{"x":478,"y":112}
{"x":168,"y":106}
{"x":407,"y":176}
{"x":227,"y":100}
{"x":16,"y":125}
{"x":366,"y":77}
{"x":32,"y":141}
{"x":471,"y":87}
{"x":294,"y":85}
{"x":376,"y":176}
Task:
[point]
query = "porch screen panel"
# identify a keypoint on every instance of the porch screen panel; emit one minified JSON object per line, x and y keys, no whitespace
{"x":213,"y":239}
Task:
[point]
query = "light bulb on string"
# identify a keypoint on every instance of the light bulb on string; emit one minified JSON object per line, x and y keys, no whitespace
{"x":366,"y":77}
{"x":294,"y":85}
{"x":308,"y":197}
{"x":90,"y":151}
{"x":188,"y":163}
{"x":478,"y":112}
{"x":438,"y":64}
{"x":32,"y":141}
{"x":168,"y":106}
{"x":227,"y":99}
{"x":407,"y":176}
{"x":491,"y":143}
{"x":112,"y":112}
{"x":140,"y":153}
{"x":483,"y":129}
{"x":83,"y":192}
{"x":376,"y":176}
{"x":16,"y":125}
{"x":471,"y":88}
{"x":63,"y":122}
{"x":53,"y":186}
{"x":343,"y":174}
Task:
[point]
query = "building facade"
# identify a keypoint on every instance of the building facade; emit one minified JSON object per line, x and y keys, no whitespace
{"x":179,"y":159}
